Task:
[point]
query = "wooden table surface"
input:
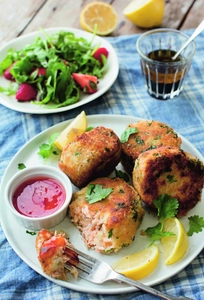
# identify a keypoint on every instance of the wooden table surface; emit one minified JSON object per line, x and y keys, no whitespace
{"x":23,"y":16}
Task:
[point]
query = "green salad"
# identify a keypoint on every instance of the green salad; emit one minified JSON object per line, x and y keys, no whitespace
{"x":47,"y":66}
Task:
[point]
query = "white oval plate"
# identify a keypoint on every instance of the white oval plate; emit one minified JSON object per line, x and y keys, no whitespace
{"x":24,"y":244}
{"x":110,"y":74}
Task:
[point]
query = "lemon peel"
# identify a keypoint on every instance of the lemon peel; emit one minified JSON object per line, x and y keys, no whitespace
{"x":76,"y":127}
{"x":174,"y":246}
{"x":138,"y":265}
{"x":145,"y":13}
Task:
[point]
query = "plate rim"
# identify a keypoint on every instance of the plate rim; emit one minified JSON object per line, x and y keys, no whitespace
{"x":76,"y":286}
{"x":88,"y":98}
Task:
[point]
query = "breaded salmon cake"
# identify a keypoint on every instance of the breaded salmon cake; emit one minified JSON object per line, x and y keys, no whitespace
{"x":171,"y":171}
{"x":53,"y":254}
{"x":109,"y":224}
{"x":149,"y":135}
{"x":90,"y":155}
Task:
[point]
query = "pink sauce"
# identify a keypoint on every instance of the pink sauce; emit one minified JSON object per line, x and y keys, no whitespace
{"x":39,"y":197}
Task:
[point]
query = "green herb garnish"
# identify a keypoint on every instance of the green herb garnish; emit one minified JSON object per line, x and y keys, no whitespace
{"x":21,"y":166}
{"x":96,"y":193}
{"x":110,"y":233}
{"x":122,"y":175}
{"x":196,"y":224}
{"x":89,"y":128}
{"x":31,"y":232}
{"x":125,"y":135}
{"x":167,"y":208}
{"x":46,"y":149}
{"x":170,"y":178}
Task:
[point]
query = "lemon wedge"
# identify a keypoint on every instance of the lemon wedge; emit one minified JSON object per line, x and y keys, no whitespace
{"x":145,"y":13}
{"x":175,"y":246}
{"x":76,"y":127}
{"x":139,"y":264}
{"x":100,"y":14}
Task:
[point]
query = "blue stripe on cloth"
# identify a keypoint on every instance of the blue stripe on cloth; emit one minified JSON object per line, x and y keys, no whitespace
{"x":127,"y":96}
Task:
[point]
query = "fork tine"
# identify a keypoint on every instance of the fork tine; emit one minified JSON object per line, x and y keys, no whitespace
{"x":83,"y":264}
{"x":87,"y":257}
{"x":81,"y":272}
{"x":96,"y":271}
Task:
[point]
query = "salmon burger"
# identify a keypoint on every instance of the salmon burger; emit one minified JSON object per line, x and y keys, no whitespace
{"x":108,"y":213}
{"x":143,"y":136}
{"x":171,"y":171}
{"x":90,"y":155}
{"x":53,"y":254}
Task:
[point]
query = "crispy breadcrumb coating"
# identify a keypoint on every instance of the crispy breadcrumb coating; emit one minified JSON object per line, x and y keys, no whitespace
{"x":172,"y":171}
{"x":52,"y":254}
{"x":150,"y":135}
{"x":109,"y":224}
{"x":90,"y":155}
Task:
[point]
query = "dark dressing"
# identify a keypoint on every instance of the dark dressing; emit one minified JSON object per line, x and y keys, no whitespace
{"x":164,"y":78}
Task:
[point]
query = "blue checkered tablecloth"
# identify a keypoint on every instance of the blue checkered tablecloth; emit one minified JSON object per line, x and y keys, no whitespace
{"x":127,"y":96}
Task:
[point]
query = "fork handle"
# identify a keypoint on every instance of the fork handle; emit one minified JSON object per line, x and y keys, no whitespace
{"x":148,"y":289}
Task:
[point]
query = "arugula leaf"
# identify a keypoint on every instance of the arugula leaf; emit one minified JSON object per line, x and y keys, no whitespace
{"x":46,"y":149}
{"x":10,"y":90}
{"x":125,"y":135}
{"x":96,"y":193}
{"x":167,"y":206}
{"x":61,"y":54}
{"x":196,"y":224}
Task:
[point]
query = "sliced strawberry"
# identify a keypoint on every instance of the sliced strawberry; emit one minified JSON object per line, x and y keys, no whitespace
{"x":100,"y":51}
{"x":41,"y":71}
{"x":88,"y":83}
{"x":26,"y":92}
{"x":7,"y":73}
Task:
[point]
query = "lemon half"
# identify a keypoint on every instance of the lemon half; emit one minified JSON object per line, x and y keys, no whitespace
{"x":145,"y":13}
{"x":175,"y":246}
{"x":100,"y":14}
{"x":76,"y":127}
{"x":139,"y":264}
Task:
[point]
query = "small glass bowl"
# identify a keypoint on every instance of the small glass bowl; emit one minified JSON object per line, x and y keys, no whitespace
{"x":48,"y":221}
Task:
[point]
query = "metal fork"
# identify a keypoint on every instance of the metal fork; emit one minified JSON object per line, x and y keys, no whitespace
{"x":96,"y":271}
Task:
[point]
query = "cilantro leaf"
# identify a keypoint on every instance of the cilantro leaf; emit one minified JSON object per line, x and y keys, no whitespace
{"x":125,"y":135}
{"x":46,"y":149}
{"x":156,"y":232}
{"x":122,"y":175}
{"x":21,"y":166}
{"x":167,"y":206}
{"x":196,"y":224}
{"x":31,"y":232}
{"x":96,"y":193}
